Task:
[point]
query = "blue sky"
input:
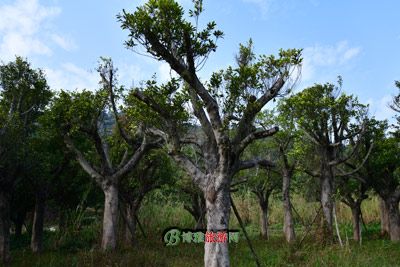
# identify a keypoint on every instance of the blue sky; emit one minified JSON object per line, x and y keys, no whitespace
{"x":356,"y":39}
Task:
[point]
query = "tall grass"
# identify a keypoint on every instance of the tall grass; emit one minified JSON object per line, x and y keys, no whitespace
{"x":80,"y":248}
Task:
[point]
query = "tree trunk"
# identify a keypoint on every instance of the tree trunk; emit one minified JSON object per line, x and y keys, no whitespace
{"x":384,"y":217}
{"x":130,"y":231}
{"x":356,"y":214}
{"x":218,"y":210}
{"x":264,"y":220}
{"x":38,"y":220}
{"x":201,"y":212}
{"x":4,"y":228}
{"x":198,"y":210}
{"x":288,"y":225}
{"x":327,"y":204}
{"x":394,"y":219}
{"x":110,"y":217}
{"x":19,"y":223}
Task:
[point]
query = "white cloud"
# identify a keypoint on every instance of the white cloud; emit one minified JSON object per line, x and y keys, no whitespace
{"x":317,"y":57}
{"x":71,"y":77}
{"x":165,"y":73}
{"x":380,"y":108}
{"x":64,"y":42}
{"x":25,"y":30}
{"x":130,"y":75}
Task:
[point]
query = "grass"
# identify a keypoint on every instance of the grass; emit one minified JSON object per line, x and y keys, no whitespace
{"x":81,"y":249}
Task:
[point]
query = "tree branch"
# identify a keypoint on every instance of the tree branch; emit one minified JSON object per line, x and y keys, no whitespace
{"x":86,"y":165}
{"x":254,"y":136}
{"x":247,"y":164}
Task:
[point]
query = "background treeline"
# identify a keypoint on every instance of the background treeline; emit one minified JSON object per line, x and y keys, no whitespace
{"x":112,"y":167}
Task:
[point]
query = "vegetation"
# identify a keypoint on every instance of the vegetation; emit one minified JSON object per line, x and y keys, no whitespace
{"x":95,"y":177}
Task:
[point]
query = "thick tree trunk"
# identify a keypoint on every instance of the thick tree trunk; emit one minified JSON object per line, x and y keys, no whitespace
{"x":356,"y":214}
{"x":38,"y":221}
{"x":4,"y":228}
{"x":110,"y":217}
{"x":394,"y":219}
{"x":264,"y":220}
{"x":384,"y":217}
{"x":327,"y":204}
{"x":218,"y":210}
{"x":288,"y":225}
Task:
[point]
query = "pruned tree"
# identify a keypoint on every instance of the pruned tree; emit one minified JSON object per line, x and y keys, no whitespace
{"x":329,"y":120}
{"x":283,"y":146}
{"x":224,"y":108}
{"x":264,"y":184}
{"x":381,"y":172}
{"x":88,"y":117}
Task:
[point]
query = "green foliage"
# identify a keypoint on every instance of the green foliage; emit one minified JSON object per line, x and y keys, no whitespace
{"x":164,"y":21}
{"x":168,"y":98}
{"x":237,"y":88}
{"x":320,"y":108}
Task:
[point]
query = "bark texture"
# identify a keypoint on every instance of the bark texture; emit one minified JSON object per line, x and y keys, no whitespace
{"x":394,"y":219}
{"x":218,"y":212}
{"x":327,"y":203}
{"x":288,"y":225}
{"x":356,"y":215}
{"x":110,"y":217}
{"x":384,"y":218}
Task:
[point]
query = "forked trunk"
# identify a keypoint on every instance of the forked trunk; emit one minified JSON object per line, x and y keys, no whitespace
{"x":37,"y":227}
{"x":356,"y":214}
{"x":4,"y":228}
{"x":384,"y":217}
{"x":110,"y":217}
{"x":288,"y":225}
{"x":394,"y":219}
{"x":218,"y":209}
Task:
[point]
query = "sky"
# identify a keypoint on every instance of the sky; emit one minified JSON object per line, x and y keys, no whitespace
{"x":357,"y":39}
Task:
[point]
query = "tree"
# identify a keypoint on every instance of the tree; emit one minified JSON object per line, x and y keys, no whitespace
{"x":283,"y":146}
{"x":329,"y":120}
{"x":224,"y":108}
{"x":395,"y":105}
{"x":85,"y":119}
{"x":383,"y":175}
{"x":154,"y":171}
{"x":24,"y":94}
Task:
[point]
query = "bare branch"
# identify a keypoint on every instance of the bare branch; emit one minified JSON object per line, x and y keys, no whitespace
{"x":86,"y":165}
{"x":253,"y":108}
{"x":133,"y":161}
{"x":247,"y":164}
{"x":198,"y":176}
{"x":254,"y":136}
{"x":359,"y":167}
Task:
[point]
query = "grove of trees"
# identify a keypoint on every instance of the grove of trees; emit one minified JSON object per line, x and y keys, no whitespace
{"x":63,"y":153}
